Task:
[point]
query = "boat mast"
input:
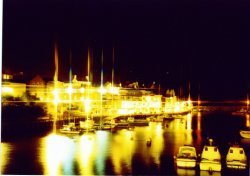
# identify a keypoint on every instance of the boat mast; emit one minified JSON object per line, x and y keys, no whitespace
{"x":101,"y":86}
{"x":113,"y":75}
{"x":199,"y":98}
{"x":70,"y":84}
{"x":247,"y":96}
{"x":113,"y":61}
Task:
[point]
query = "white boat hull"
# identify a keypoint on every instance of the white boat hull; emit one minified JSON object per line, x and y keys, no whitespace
{"x":68,"y":132}
{"x":186,"y":163}
{"x":236,"y":158}
{"x":245,"y":134}
{"x":236,"y":165}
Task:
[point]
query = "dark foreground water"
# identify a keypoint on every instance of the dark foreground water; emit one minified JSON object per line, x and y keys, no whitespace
{"x":124,"y":152}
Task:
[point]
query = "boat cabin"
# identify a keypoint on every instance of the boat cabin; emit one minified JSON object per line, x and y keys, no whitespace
{"x":236,"y":158}
{"x":210,"y":159}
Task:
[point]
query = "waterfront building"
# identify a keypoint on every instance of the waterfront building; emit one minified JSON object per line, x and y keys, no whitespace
{"x":13,"y":89}
{"x":36,"y":88}
{"x":82,"y":99}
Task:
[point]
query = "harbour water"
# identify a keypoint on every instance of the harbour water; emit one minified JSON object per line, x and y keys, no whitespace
{"x":124,"y":151}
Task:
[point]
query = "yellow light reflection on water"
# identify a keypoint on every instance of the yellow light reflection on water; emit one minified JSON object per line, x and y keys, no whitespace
{"x":247,"y":120}
{"x":86,"y":154}
{"x":189,"y":121}
{"x":199,"y":121}
{"x":155,"y":133}
{"x":181,"y":131}
{"x":122,"y":149}
{"x":5,"y":150}
{"x":57,"y":155}
{"x":102,"y":146}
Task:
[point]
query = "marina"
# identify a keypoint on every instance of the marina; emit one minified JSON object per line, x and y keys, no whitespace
{"x":121,"y":87}
{"x":144,"y":150}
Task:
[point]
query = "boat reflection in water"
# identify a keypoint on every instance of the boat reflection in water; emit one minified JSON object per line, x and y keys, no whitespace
{"x":210,"y":158}
{"x":185,"y":172}
{"x":120,"y":152}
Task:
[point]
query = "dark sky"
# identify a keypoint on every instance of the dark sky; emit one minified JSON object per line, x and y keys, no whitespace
{"x":171,"y":42}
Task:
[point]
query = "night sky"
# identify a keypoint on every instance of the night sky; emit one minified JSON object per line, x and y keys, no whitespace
{"x":173,"y":42}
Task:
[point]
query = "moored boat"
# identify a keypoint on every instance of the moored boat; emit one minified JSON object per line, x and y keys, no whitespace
{"x":186,"y":157}
{"x":69,"y":129}
{"x":241,"y":112}
{"x":236,"y":158}
{"x":245,"y":134}
{"x":138,"y":121}
{"x":210,"y":158}
{"x":107,"y":125}
{"x":87,"y":125}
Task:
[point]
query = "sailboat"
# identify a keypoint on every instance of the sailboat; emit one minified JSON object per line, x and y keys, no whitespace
{"x":69,"y":128}
{"x":108,"y":123}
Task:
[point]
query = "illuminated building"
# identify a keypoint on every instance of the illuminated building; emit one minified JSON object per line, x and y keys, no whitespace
{"x":36,"y":87}
{"x":12,"y":89}
{"x":81,"y":98}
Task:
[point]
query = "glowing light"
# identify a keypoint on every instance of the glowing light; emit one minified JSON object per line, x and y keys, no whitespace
{"x":102,"y":139}
{"x":247,"y":120}
{"x":86,"y":152}
{"x":189,"y":101}
{"x":56,"y":96}
{"x":199,"y":121}
{"x":5,"y":150}
{"x":54,"y":156}
{"x":189,"y":122}
{"x":56,"y":63}
{"x":199,"y":102}
{"x":114,"y":90}
{"x":158,"y":129}
{"x":87,"y":105}
{"x":177,"y":107}
{"x":102,"y":90}
{"x":148,"y":98}
{"x":70,"y":89}
{"x":122,"y":147}
{"x":248,"y":102}
{"x":7,"y":90}
{"x":82,"y":90}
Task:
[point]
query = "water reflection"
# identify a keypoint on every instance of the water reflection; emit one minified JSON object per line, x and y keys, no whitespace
{"x":247,"y":120}
{"x":155,"y":132}
{"x":57,"y":155}
{"x":186,"y":172}
{"x":206,"y":173}
{"x":102,"y":150}
{"x":86,"y":154}
{"x":199,"y":121}
{"x":122,"y":151}
{"x":115,"y":153}
{"x":5,"y":150}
